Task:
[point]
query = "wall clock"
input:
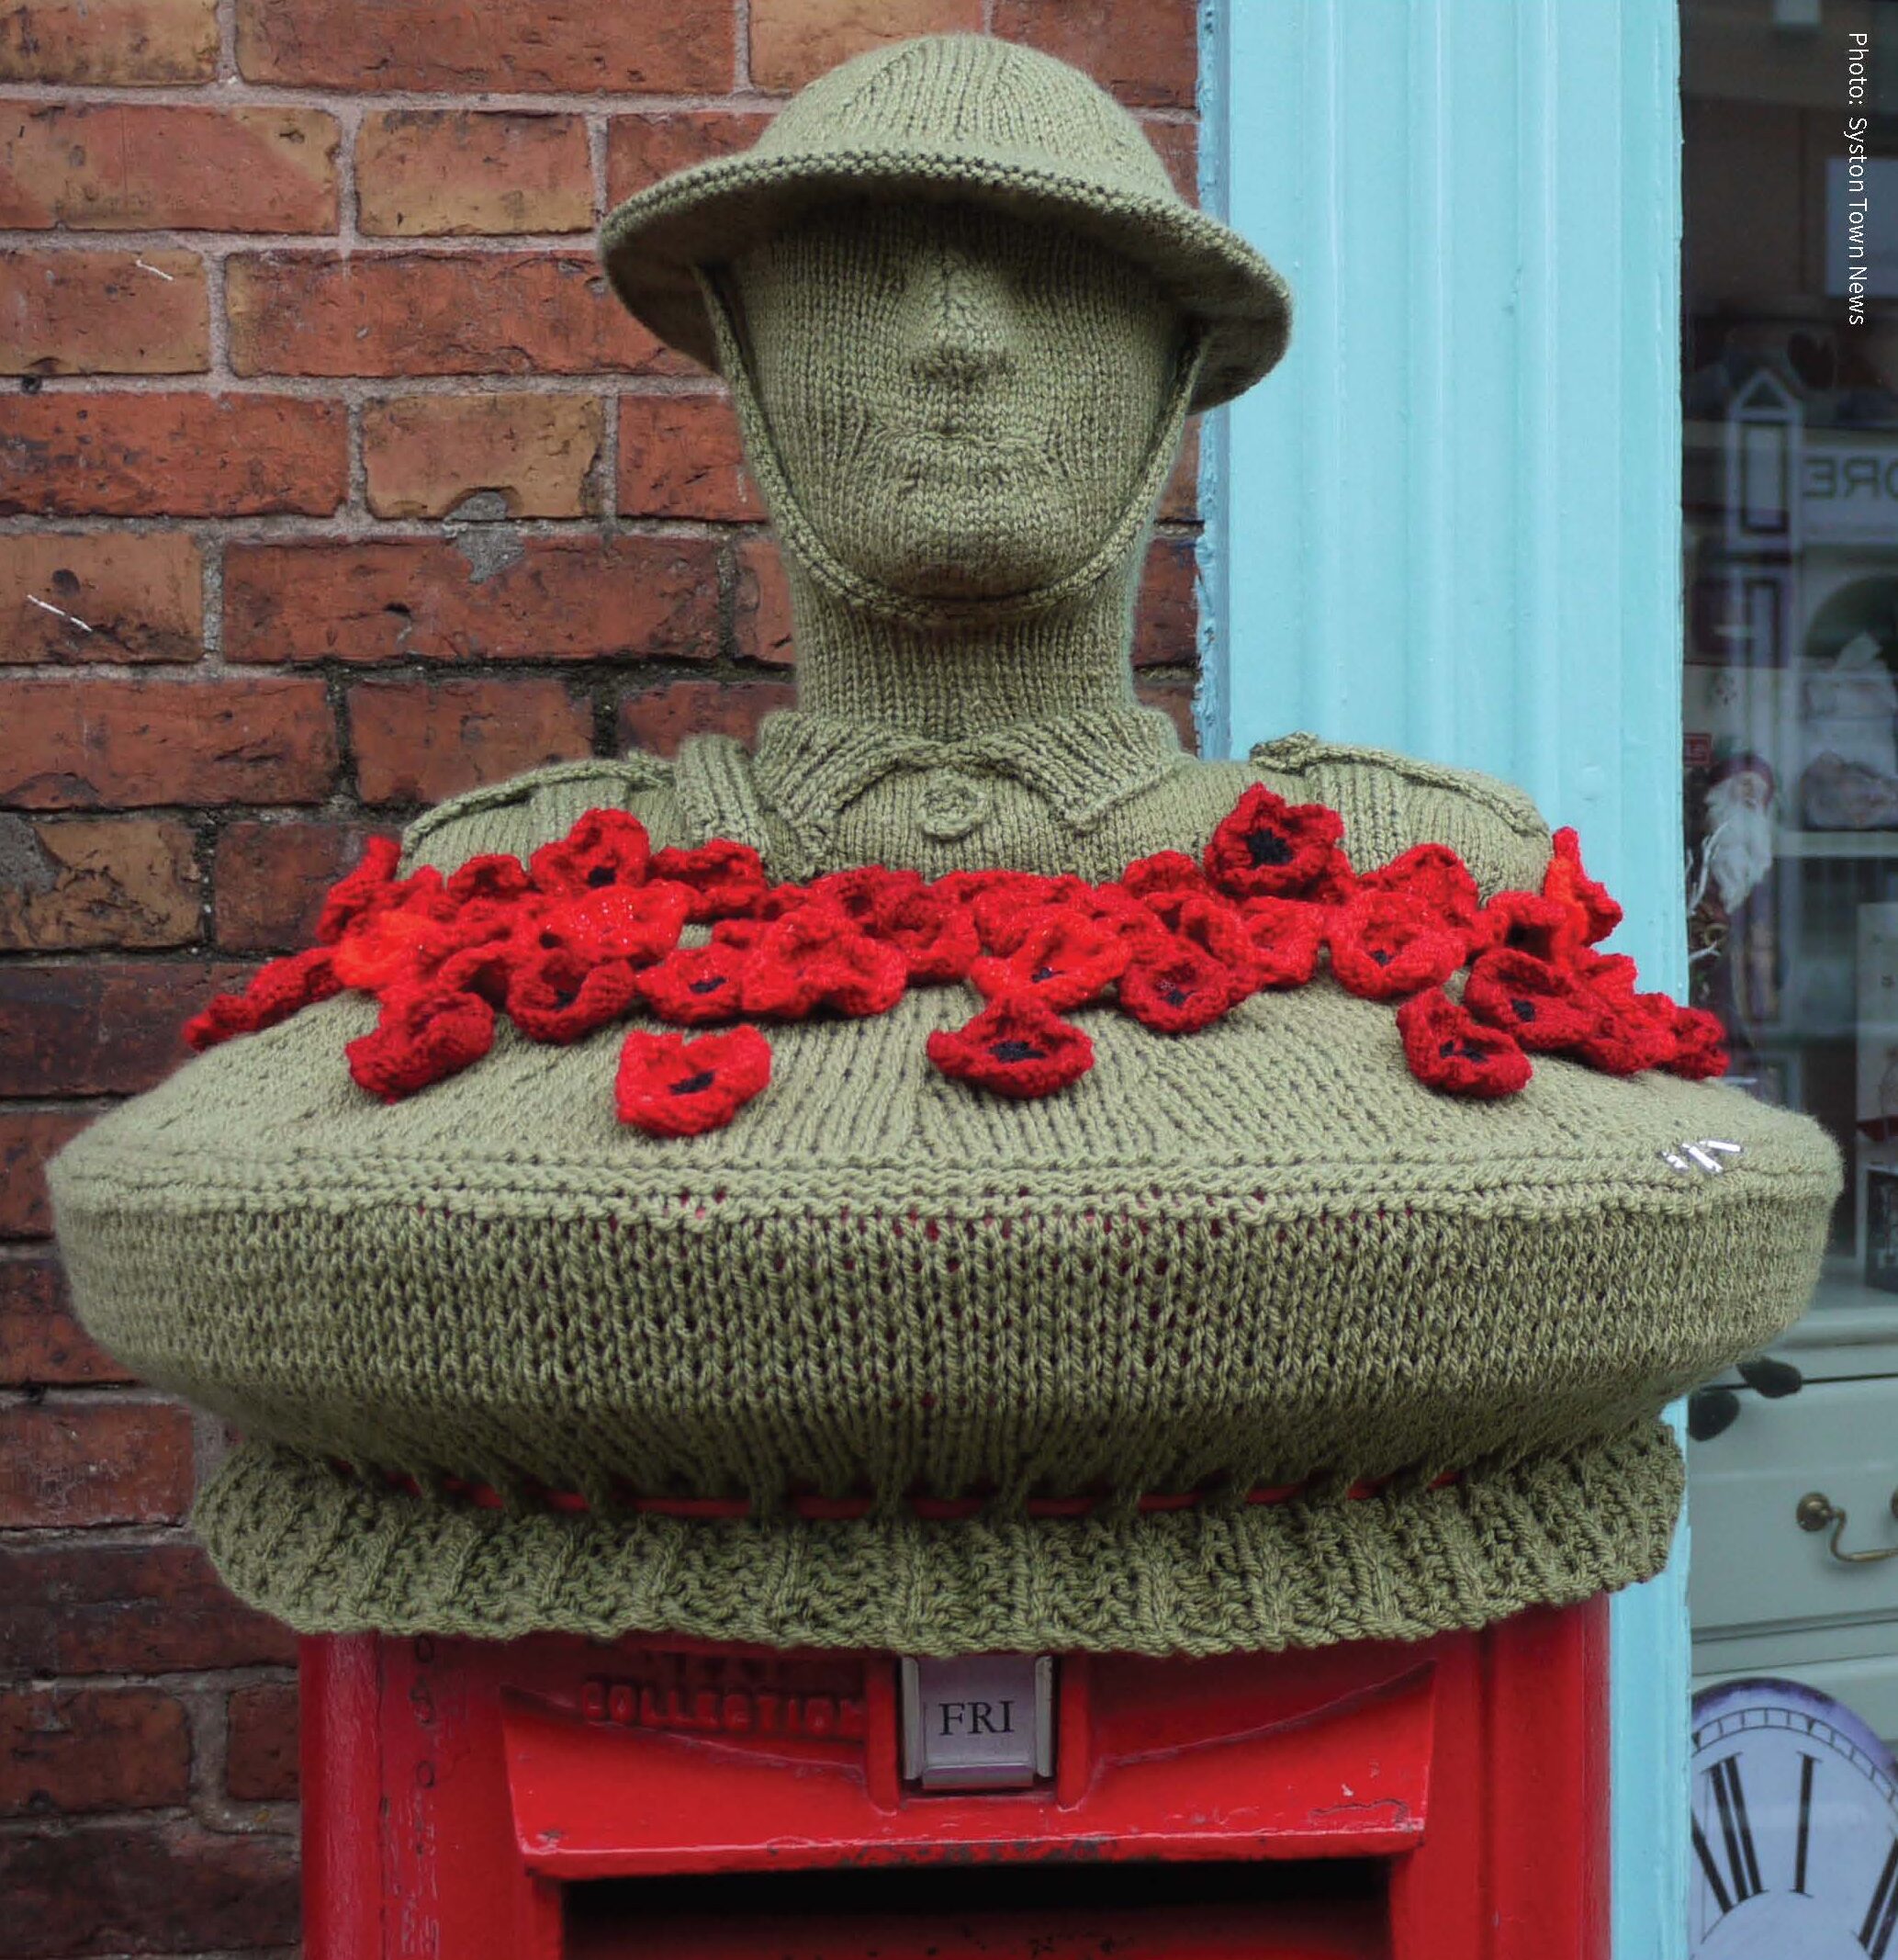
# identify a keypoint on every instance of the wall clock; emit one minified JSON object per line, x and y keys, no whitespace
{"x":1795,"y":1829}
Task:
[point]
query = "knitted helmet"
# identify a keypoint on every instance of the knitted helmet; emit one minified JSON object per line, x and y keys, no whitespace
{"x":953,"y":117}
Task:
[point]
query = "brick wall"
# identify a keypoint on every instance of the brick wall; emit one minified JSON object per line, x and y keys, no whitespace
{"x":333,"y":482}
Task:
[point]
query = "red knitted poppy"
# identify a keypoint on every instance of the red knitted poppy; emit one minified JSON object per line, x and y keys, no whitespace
{"x":1596,"y":915}
{"x":1178,"y":987}
{"x":1434,"y":878}
{"x":1447,"y":1047}
{"x":1387,"y":943}
{"x":723,"y":877}
{"x":556,"y":998}
{"x":1270,"y":849}
{"x":816,"y":958}
{"x":604,"y":848}
{"x":669,"y":1085}
{"x":1544,"y":1006}
{"x":1065,"y":959}
{"x":1015,"y":1046}
{"x":1287,"y":937}
{"x":696,"y":985}
{"x":426,"y":1033}
{"x":276,"y":991}
{"x":937,"y":939}
{"x":588,"y":931}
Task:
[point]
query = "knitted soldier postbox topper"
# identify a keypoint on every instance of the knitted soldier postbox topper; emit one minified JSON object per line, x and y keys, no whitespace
{"x":961,"y":1174}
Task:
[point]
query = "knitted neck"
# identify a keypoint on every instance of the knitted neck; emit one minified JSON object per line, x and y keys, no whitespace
{"x":945,"y":681}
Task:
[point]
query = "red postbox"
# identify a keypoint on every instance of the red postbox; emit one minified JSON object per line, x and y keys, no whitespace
{"x":552,"y":1796}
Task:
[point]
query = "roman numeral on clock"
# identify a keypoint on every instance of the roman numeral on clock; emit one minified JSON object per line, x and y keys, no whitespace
{"x":1740,"y":1880}
{"x":1807,"y":1764}
{"x":1881,"y":1915}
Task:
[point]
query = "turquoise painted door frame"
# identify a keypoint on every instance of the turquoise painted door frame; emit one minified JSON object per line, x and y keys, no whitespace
{"x":1450,"y":522}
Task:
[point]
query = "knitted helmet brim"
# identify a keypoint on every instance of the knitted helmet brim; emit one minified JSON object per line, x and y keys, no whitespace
{"x":709,"y":212}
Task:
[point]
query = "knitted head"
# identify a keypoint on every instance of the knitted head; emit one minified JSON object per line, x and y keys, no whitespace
{"x":963,"y":313}
{"x":952,"y":401}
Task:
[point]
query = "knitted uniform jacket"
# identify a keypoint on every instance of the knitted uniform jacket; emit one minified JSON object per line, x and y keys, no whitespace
{"x":1262,"y":1262}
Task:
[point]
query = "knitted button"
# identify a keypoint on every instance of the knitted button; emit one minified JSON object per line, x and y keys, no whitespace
{"x":952,"y":804}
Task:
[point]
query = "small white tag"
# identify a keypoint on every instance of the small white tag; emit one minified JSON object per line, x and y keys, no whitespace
{"x":978,"y":1722}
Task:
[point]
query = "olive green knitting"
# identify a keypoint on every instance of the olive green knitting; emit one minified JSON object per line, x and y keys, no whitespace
{"x":1331,"y":1354}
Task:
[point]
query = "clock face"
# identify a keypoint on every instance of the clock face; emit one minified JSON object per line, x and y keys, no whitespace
{"x":1795,"y":1829}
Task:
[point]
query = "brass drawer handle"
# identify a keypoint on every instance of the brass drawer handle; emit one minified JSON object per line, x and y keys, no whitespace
{"x":1814,"y":1511}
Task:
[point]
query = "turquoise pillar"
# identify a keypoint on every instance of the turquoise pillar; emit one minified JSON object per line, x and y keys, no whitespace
{"x":1449,"y":522}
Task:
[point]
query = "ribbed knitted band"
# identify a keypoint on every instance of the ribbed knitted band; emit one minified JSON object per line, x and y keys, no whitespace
{"x":328,"y":1553}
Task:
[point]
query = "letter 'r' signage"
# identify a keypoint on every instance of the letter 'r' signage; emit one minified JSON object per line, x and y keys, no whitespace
{"x":978,"y":1722}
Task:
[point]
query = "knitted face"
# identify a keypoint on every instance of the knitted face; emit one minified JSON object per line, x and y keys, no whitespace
{"x":962,"y":400}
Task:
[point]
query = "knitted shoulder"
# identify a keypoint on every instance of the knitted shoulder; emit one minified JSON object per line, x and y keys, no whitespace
{"x":1390,"y":801}
{"x":525,"y":811}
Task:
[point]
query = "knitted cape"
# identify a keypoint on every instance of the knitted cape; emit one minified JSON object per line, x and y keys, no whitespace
{"x":1246,"y":1338}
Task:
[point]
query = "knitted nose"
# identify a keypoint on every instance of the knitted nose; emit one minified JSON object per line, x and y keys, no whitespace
{"x":955,"y":324}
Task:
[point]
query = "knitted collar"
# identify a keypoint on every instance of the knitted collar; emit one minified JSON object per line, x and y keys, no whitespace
{"x":812,"y":766}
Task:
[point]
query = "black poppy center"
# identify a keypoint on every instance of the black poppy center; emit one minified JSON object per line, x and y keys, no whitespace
{"x":1382,"y":956}
{"x":1017,"y":1051}
{"x":602,"y":874}
{"x":1041,"y":974}
{"x":1470,"y":1051}
{"x":710,"y":984}
{"x":1175,"y":994}
{"x":692,"y":1085}
{"x":1267,"y":847}
{"x":1525,"y":1010}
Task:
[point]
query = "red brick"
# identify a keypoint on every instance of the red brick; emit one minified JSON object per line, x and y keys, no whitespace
{"x":107,"y":1462}
{"x":534,"y":46}
{"x":171,"y":1887}
{"x":761,"y":606}
{"x":658,"y":719}
{"x":119,"y":43}
{"x":165,"y":455}
{"x":432,"y":313}
{"x":108,"y":881}
{"x":1176,"y":698}
{"x":795,"y":41}
{"x":92,"y":1608}
{"x":426,"y":454}
{"x":103,"y":1027}
{"x":627,"y":598}
{"x":1166,"y":621}
{"x":434,"y":173}
{"x":92,"y":1749}
{"x":680,"y":457}
{"x":40,"y":1340}
{"x":419,"y":741}
{"x":260,"y":1758}
{"x":1179,"y":502}
{"x":1146,"y":51}
{"x":1178,"y":144}
{"x":641,"y":149}
{"x":105,"y":595}
{"x":77,"y":312}
{"x":271,"y":880}
{"x":29,"y":1139}
{"x":134,"y":166}
{"x":84,"y":744}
